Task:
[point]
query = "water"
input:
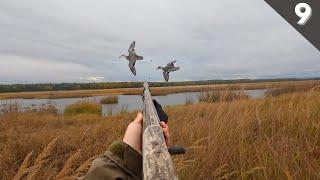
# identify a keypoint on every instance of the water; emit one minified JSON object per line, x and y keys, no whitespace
{"x":125,"y":102}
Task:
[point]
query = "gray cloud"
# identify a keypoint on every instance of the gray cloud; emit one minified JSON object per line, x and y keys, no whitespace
{"x":69,"y":41}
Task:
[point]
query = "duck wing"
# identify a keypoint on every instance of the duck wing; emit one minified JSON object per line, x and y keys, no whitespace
{"x":174,"y":69}
{"x":131,"y":48}
{"x":138,"y":57}
{"x":171,"y":64}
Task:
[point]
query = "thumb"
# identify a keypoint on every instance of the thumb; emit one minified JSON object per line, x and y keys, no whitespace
{"x":139,"y":118}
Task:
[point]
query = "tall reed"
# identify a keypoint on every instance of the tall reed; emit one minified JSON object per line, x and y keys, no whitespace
{"x":109,"y":100}
{"x":268,"y":138}
{"x":217,"y":96}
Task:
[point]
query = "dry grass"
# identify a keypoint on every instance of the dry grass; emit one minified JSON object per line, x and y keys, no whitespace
{"x":271,"y":138}
{"x":83,"y":107}
{"x":155,"y":91}
{"x":23,"y":169}
{"x":109,"y":100}
{"x":70,"y":165}
{"x":217,"y":96}
{"x":189,"y":100}
{"x":9,"y":107}
{"x":292,"y":89}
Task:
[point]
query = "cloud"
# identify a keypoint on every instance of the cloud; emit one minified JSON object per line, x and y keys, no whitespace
{"x":23,"y":70}
{"x":212,"y":39}
{"x":93,"y":79}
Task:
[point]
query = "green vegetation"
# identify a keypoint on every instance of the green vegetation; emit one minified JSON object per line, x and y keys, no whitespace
{"x":112,"y":85}
{"x":109,"y":100}
{"x":83,"y":107}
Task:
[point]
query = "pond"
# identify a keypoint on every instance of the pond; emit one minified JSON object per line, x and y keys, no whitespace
{"x":125,"y":102}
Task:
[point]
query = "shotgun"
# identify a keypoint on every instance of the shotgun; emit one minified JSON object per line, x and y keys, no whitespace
{"x":156,"y":161}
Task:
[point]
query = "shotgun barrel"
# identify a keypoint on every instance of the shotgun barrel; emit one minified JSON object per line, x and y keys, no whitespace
{"x":157,"y":163}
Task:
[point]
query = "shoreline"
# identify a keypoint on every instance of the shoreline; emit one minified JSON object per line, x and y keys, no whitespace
{"x":156,"y":91}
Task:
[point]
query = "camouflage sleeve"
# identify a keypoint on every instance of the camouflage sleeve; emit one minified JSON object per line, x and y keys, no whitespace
{"x":119,"y":162}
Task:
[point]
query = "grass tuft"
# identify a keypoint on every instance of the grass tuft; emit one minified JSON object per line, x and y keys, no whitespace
{"x":109,"y":100}
{"x":23,"y":169}
{"x":83,"y":107}
{"x":219,"y":96}
{"x":69,"y":166}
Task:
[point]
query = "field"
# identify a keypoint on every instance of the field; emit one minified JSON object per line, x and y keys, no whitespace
{"x":277,"y":137}
{"x":156,"y":90}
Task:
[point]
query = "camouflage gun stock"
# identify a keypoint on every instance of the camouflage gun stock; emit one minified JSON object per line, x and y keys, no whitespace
{"x":157,"y":163}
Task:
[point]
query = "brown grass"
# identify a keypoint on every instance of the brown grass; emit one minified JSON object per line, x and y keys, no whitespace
{"x":70,"y":165}
{"x":31,"y":172}
{"x":292,"y":89}
{"x":270,"y":138}
{"x":155,"y":91}
{"x":84,"y":167}
{"x":83,"y":107}
{"x":23,"y":169}
{"x":109,"y":100}
{"x":44,"y":157}
{"x":217,"y":96}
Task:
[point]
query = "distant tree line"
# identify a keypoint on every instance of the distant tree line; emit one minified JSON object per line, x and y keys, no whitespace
{"x":112,"y":85}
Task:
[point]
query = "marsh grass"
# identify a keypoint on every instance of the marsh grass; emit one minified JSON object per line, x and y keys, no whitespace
{"x":109,"y":100}
{"x":156,"y":91}
{"x":70,"y":165}
{"x":269,"y":138}
{"x":217,"y":96}
{"x":124,"y":108}
{"x":83,"y":107}
{"x":293,"y":88}
{"x":9,"y":107}
{"x":189,"y":100}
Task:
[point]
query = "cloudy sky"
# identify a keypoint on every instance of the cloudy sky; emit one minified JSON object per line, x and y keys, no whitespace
{"x":81,"y":40}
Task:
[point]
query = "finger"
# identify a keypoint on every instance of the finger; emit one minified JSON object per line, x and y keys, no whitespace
{"x":165,"y":129}
{"x":139,"y":118}
{"x":164,"y":126}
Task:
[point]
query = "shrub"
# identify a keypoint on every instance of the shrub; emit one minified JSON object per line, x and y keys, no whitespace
{"x":216,"y":96}
{"x":83,"y":107}
{"x":109,"y":100}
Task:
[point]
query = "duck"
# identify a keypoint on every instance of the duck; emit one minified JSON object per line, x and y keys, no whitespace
{"x":132,"y":58}
{"x":170,"y":67}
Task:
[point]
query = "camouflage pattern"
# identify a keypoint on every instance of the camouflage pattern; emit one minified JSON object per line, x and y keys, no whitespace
{"x":119,"y":162}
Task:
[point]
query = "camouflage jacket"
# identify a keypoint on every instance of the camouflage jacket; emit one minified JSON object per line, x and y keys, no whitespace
{"x":120,"y":162}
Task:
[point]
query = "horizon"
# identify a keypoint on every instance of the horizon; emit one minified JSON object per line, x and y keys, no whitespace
{"x":83,"y":41}
{"x":173,"y":82}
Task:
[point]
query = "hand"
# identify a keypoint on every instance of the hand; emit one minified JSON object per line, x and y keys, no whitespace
{"x":133,"y":134}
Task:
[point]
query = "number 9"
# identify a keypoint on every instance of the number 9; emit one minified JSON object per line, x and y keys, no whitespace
{"x":304,"y":11}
